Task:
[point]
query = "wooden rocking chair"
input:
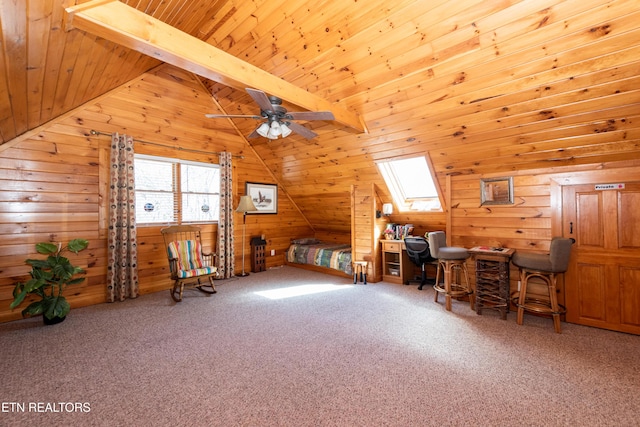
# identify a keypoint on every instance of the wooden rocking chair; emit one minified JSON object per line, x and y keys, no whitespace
{"x":187,"y":264}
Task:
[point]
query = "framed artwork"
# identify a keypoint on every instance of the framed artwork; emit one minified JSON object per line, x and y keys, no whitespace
{"x":264,"y":196}
{"x":496,"y":191}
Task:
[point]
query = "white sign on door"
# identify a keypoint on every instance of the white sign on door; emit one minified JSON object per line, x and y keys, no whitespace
{"x":609,"y":186}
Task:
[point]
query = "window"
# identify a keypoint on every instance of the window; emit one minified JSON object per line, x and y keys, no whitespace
{"x":176,"y":191}
{"x":411,"y":184}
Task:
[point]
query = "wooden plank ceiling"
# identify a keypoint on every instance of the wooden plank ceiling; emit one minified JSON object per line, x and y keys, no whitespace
{"x":481,"y":86}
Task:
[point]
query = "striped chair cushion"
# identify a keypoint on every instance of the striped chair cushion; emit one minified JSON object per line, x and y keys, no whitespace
{"x":190,"y":261}
{"x":183,"y":274}
{"x":188,"y":253}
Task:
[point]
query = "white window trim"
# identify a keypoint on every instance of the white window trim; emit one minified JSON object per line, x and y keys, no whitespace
{"x":403,"y":203}
{"x":177,"y":192}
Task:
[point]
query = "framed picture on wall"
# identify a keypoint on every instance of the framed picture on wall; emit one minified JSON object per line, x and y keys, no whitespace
{"x":264,"y":196}
{"x":496,"y":191}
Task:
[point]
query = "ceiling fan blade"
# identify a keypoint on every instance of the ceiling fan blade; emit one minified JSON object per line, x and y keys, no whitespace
{"x":311,"y":115}
{"x":232,"y":116}
{"x":301,"y":130}
{"x":261,"y":99}
{"x":255,"y":133}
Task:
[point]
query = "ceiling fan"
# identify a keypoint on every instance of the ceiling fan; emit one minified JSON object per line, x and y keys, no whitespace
{"x":278,"y":121}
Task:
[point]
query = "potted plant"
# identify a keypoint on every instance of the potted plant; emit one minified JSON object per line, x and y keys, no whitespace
{"x":49,"y":279}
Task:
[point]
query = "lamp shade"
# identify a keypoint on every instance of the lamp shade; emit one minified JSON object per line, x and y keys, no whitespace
{"x":263,"y":129}
{"x":387,"y":209}
{"x":246,"y":205}
{"x":274,"y":131}
{"x":285,"y":130}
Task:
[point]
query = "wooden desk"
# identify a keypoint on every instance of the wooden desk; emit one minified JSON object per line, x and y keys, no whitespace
{"x":492,"y":278}
{"x":396,"y":265}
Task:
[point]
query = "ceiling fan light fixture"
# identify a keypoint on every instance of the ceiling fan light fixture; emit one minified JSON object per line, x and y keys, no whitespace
{"x":263,"y":130}
{"x":276,"y":121}
{"x":275,"y":131}
{"x":285,"y":130}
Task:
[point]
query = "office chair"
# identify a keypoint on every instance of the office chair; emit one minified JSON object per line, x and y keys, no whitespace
{"x":419,"y":253}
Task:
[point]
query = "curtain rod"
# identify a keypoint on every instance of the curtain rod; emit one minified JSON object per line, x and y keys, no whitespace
{"x":96,"y":132}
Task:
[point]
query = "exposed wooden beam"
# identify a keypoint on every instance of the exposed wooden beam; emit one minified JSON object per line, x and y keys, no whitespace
{"x":124,"y":25}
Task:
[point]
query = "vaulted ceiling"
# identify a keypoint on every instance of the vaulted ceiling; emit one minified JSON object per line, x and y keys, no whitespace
{"x":481,"y":86}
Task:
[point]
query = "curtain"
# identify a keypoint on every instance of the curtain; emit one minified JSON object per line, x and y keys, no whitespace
{"x":226,"y":254}
{"x":122,"y":267}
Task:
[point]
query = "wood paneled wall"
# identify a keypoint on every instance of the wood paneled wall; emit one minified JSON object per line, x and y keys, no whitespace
{"x":533,"y":219}
{"x":53,"y":181}
{"x":53,"y":188}
{"x":50,"y":192}
{"x":482,"y":88}
{"x":422,"y":222}
{"x":366,"y":228}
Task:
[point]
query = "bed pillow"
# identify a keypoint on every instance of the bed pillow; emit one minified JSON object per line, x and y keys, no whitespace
{"x":305,"y":241}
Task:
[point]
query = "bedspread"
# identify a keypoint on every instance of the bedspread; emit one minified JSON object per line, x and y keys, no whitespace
{"x":335,"y":256}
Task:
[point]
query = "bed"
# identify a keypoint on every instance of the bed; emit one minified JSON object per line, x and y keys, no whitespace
{"x":332,"y":258}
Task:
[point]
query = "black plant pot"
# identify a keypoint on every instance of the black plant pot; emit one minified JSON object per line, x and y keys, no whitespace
{"x":53,"y":321}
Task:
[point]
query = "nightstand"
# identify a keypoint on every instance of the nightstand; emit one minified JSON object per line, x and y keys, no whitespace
{"x":396,"y":264}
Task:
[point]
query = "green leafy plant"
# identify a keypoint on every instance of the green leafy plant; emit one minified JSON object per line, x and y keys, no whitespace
{"x":49,"y":278}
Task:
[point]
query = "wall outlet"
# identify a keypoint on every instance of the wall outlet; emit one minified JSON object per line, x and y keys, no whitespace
{"x":273,"y":252}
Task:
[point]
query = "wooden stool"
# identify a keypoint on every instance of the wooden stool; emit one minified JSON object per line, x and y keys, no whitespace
{"x":545,"y":268}
{"x":452,"y":262}
{"x":360,"y":268}
{"x":526,"y":302}
{"x":454,"y":272}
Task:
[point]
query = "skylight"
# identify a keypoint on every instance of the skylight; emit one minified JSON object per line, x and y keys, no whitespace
{"x":411,"y":184}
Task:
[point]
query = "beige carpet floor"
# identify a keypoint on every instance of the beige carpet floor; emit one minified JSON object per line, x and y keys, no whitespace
{"x":325,"y":353}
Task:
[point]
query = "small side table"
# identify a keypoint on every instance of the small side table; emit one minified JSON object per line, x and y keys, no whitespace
{"x":360,"y":269}
{"x":258,"y":254}
{"x":492,"y":278}
{"x":396,"y":265}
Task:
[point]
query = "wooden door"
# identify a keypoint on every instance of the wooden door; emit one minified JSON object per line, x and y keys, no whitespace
{"x":602,"y":284}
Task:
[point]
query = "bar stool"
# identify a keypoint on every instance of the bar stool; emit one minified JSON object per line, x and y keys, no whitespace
{"x":545,"y":267}
{"x":452,"y":262}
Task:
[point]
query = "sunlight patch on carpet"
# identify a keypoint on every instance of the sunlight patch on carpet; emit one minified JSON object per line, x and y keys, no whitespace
{"x":296,"y":291}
